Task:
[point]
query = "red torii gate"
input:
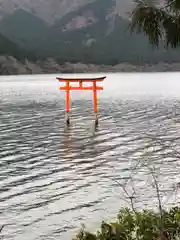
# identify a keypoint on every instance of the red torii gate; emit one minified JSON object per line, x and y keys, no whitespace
{"x":81,"y":86}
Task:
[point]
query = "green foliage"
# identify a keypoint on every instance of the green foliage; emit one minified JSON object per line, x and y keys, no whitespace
{"x":158,"y":23}
{"x":85,"y":235}
{"x":144,"y":225}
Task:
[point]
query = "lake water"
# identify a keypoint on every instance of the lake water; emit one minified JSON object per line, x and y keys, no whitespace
{"x":52,"y":179}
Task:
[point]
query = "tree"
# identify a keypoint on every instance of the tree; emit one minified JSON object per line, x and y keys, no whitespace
{"x":137,"y":225}
{"x":160,"y":22}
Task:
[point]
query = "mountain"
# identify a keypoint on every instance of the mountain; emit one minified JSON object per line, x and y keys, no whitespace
{"x":50,"y":10}
{"x":44,"y":9}
{"x":95,"y":32}
{"x":7,"y":47}
{"x":24,"y":28}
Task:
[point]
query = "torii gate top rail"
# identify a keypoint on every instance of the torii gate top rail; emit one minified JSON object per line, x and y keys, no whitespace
{"x":100,"y":79}
{"x":81,"y":81}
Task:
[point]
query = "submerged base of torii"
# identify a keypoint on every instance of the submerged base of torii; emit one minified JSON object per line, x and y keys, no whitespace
{"x":68,"y":88}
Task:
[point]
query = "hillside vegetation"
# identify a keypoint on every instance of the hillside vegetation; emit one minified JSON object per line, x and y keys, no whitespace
{"x":9,"y":48}
{"x":91,"y":34}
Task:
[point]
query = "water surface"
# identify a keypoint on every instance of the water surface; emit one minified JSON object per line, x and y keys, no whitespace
{"x":52,"y":179}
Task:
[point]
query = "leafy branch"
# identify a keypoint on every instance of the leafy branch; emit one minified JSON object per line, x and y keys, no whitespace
{"x":160,"y":24}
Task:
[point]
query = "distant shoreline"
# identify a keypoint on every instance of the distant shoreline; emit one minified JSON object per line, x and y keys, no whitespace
{"x":11,"y":66}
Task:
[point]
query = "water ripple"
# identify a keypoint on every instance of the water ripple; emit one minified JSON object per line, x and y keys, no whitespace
{"x":52,"y":179}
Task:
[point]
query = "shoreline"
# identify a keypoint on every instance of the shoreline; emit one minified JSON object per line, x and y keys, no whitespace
{"x":11,"y":66}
